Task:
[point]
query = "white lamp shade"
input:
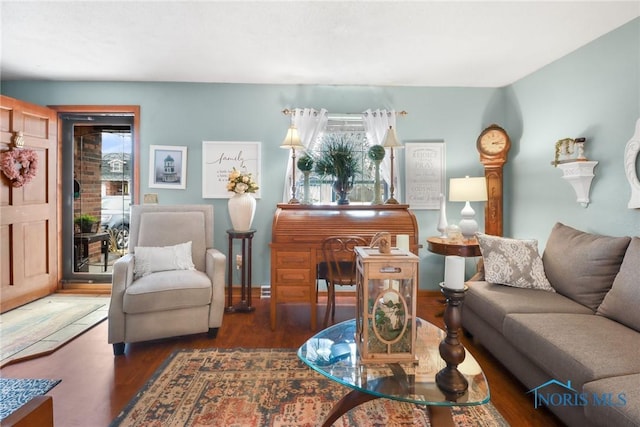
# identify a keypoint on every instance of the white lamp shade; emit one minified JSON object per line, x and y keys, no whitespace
{"x":292,"y":140}
{"x":391,"y":139}
{"x":467,"y":189}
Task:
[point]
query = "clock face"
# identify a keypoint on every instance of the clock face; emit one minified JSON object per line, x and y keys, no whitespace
{"x":493,"y":142}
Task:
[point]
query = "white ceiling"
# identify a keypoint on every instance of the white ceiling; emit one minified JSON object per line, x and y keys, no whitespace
{"x":398,"y":43}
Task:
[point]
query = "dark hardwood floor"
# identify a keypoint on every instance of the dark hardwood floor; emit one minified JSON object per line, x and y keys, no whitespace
{"x":96,"y":386}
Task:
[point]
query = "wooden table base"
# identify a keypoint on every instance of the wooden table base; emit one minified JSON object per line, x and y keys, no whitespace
{"x":439,"y":416}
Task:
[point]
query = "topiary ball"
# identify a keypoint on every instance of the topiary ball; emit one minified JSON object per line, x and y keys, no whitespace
{"x":305,"y":163}
{"x":376,"y":153}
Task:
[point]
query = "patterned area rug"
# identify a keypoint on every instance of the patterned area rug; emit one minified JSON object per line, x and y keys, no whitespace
{"x":42,"y":326}
{"x":252,"y":388}
{"x":16,"y":392}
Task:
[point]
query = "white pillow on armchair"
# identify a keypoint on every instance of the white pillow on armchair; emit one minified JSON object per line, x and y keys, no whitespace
{"x":149,"y":259}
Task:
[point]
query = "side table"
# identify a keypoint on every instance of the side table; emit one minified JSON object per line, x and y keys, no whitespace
{"x":244,"y":306}
{"x":81,"y":242}
{"x":464,"y":248}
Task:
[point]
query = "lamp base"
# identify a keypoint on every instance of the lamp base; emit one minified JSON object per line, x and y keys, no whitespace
{"x":294,"y":201}
{"x":468,"y":225}
{"x":391,"y":201}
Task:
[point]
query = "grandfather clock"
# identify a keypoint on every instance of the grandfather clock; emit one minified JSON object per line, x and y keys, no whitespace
{"x":493,"y":145}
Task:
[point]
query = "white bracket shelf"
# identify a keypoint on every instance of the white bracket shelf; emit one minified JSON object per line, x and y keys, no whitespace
{"x":579,"y":174}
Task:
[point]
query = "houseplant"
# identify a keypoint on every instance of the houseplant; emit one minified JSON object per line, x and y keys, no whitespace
{"x":338,"y":160}
{"x":376,"y":153}
{"x":305,"y":164}
{"x":85,"y":222}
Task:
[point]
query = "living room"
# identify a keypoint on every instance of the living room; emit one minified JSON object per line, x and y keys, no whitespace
{"x":592,"y":92}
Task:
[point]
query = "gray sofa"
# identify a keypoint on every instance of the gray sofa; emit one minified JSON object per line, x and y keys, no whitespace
{"x":576,"y":345}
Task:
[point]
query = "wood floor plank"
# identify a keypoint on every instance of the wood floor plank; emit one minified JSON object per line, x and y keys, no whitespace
{"x":96,"y":386}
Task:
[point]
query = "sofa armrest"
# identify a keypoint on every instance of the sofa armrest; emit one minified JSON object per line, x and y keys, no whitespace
{"x":121,"y":278}
{"x":215,"y":268}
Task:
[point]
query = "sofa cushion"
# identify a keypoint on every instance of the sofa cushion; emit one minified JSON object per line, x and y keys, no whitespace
{"x":576,"y":347}
{"x":512,"y":262}
{"x":493,"y":302}
{"x":624,"y":410}
{"x":152,"y":259}
{"x":582,"y":266}
{"x":622,"y":301}
{"x":167,"y":290}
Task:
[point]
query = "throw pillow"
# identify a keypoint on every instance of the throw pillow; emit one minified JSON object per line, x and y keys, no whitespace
{"x":622,"y":301}
{"x":152,"y":259}
{"x":512,"y":262}
{"x":582,"y":266}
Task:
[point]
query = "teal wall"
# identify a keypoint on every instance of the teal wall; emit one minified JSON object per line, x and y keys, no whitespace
{"x":594,"y":92}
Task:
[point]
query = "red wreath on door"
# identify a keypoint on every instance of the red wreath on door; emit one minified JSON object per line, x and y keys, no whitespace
{"x":19,"y":166}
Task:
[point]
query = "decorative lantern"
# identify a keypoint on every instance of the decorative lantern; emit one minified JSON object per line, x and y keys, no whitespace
{"x":386,"y":305}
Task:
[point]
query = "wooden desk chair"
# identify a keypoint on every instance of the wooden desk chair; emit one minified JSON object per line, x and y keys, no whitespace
{"x":338,"y":267}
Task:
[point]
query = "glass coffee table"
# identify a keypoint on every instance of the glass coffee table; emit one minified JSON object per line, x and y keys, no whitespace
{"x":333,"y":353}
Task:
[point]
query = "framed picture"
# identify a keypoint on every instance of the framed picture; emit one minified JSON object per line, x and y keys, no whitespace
{"x":218,"y":160}
{"x":424,"y":174}
{"x":168,"y":167}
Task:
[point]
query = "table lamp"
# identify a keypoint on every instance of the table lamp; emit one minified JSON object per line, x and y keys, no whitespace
{"x":292,"y":141}
{"x":467,"y":190}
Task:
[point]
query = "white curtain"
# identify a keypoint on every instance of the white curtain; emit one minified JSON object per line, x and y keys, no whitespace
{"x":310,"y":123}
{"x":376,"y":124}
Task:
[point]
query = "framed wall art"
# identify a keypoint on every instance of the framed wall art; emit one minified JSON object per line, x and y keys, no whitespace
{"x":424,"y":174}
{"x":168,"y":167}
{"x":218,"y":160}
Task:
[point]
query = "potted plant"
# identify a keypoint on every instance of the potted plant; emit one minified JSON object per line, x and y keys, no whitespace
{"x":305,"y":164}
{"x":338,"y":160}
{"x":376,"y":153}
{"x":85,"y":222}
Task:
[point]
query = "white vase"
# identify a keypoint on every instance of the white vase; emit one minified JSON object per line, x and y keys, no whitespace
{"x":442,"y":220}
{"x":242,"y":208}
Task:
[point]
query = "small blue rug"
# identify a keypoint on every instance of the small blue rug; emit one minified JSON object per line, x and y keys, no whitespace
{"x":16,"y":392}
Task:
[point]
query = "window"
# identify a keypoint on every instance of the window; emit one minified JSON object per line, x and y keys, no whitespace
{"x":347,"y":129}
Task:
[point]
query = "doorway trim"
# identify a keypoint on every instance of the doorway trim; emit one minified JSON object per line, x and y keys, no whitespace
{"x":133,"y":110}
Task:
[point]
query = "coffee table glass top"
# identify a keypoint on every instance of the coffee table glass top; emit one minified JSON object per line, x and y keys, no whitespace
{"x":333,"y":353}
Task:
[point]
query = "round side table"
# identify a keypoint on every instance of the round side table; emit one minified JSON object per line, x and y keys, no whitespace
{"x":464,"y":248}
{"x":244,"y":306}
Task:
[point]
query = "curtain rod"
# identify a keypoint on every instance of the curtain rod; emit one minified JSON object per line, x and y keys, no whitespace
{"x":288,"y":112}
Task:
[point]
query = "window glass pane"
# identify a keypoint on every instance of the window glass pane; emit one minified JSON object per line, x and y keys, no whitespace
{"x":320,"y":186}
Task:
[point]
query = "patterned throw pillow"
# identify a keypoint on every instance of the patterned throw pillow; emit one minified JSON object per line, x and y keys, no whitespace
{"x":151,"y":259}
{"x":513,"y":262}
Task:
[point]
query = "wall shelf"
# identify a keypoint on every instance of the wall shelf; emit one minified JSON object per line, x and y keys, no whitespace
{"x":579,"y":174}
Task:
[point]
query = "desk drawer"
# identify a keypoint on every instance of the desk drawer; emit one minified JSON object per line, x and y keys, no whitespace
{"x":293,"y":294}
{"x":293,"y":259}
{"x":292,"y":276}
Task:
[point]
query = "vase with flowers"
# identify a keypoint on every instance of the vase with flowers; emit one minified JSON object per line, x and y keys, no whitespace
{"x":242,"y":205}
{"x":338,"y":160}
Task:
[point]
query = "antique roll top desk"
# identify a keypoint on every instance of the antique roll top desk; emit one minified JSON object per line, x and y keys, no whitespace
{"x":298,"y":231}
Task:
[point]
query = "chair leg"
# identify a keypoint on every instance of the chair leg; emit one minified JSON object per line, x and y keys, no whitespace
{"x":213,"y":332}
{"x":330,"y":303}
{"x":118,"y":349}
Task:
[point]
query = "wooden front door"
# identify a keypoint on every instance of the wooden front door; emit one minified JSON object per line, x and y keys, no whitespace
{"x":28,"y":214}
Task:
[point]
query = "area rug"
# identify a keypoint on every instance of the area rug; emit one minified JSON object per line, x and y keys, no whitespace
{"x":16,"y":392}
{"x":44,"y":325}
{"x":254,"y":388}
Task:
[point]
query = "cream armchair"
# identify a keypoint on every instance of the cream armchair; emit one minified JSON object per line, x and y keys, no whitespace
{"x":161,"y":294}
